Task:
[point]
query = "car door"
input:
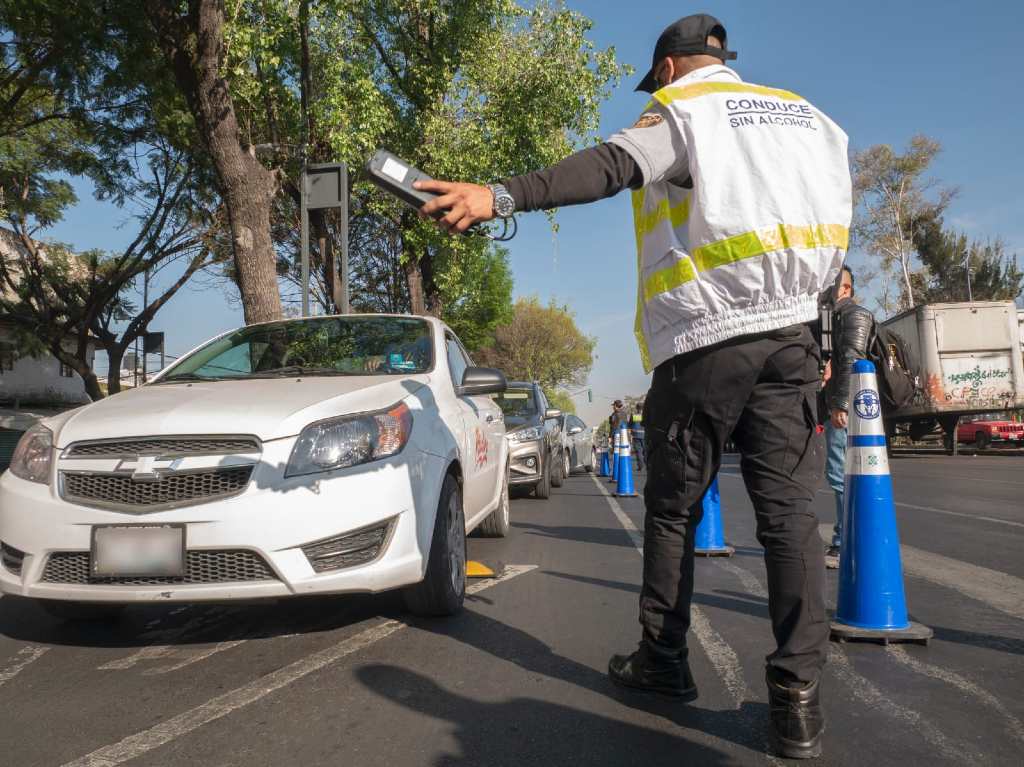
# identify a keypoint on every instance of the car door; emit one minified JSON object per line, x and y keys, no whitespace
{"x":483,"y":438}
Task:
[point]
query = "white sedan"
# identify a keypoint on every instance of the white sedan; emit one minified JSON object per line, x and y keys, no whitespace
{"x":323,"y":455}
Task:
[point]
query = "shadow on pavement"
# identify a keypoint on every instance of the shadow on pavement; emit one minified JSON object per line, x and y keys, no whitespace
{"x":988,"y":641}
{"x":606,"y":536}
{"x":528,"y":731}
{"x":745,"y":726}
{"x":195,"y":623}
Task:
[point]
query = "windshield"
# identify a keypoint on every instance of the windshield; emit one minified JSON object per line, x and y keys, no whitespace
{"x":516,"y":403}
{"x":318,"y":346}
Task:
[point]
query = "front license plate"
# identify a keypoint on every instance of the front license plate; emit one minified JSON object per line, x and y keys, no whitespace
{"x":138,"y":551}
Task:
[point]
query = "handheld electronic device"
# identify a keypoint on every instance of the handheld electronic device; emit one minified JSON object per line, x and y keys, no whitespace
{"x":396,"y":177}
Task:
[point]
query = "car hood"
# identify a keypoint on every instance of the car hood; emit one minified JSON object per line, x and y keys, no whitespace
{"x":268,"y":408}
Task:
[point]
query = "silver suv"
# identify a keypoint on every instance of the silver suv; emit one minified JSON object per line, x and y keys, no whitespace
{"x":532,"y":431}
{"x":577,"y":443}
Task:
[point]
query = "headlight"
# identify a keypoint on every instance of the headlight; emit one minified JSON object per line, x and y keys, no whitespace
{"x":350,"y":440}
{"x":34,"y":455}
{"x":527,"y":434}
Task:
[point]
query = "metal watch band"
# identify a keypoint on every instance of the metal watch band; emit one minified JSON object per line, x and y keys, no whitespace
{"x":504,"y":203}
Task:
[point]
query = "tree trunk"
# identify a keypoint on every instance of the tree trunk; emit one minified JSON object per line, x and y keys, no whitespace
{"x":414,"y":281}
{"x":92,"y":383}
{"x":195,"y":46}
{"x":115,"y":355}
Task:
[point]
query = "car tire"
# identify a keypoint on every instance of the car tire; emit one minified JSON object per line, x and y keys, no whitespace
{"x":80,"y":611}
{"x":543,"y":488}
{"x":557,"y":475}
{"x":593,"y":461}
{"x":443,"y":588}
{"x":981,"y":440}
{"x":498,"y":521}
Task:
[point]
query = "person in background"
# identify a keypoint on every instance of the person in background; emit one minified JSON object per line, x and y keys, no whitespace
{"x":636,"y":433}
{"x":851,"y":331}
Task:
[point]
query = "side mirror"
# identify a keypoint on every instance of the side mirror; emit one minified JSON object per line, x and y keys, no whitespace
{"x":575,"y":430}
{"x":552,"y":413}
{"x":482,"y":381}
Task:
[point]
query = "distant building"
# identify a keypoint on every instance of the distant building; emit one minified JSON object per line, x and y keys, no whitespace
{"x":27,"y":380}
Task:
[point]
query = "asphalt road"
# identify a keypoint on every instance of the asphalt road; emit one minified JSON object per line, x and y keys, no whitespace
{"x":519,"y":677}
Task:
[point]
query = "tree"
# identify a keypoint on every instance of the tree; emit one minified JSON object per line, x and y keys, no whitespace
{"x":946,"y":255}
{"x":57,"y":298}
{"x":193,"y":43}
{"x":561,"y":400}
{"x":541,"y":343}
{"x":892,"y":197}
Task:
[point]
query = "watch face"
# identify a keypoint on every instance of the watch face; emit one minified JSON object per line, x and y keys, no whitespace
{"x":504,"y":205}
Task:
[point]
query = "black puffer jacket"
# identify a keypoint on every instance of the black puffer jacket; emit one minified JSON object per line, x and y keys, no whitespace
{"x":851,"y":333}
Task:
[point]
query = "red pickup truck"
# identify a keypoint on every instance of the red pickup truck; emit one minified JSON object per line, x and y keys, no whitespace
{"x":986,"y":432}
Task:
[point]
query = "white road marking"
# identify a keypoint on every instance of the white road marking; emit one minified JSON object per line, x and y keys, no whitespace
{"x":747,"y":578}
{"x":24,"y":658}
{"x":998,"y":590}
{"x":194,"y":656}
{"x":874,"y":699}
{"x":1014,"y":725}
{"x":932,"y":509}
{"x":724,"y":659}
{"x":150,"y":652}
{"x":160,"y":734}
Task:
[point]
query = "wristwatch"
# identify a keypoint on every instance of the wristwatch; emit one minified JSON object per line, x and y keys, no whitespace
{"x":504,"y":203}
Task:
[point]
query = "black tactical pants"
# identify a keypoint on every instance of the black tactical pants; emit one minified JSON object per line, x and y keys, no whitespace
{"x":761,"y":390}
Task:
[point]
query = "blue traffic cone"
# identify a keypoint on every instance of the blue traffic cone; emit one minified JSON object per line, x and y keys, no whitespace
{"x":614,"y":438}
{"x":871,"y":604}
{"x":605,"y":468}
{"x":709,"y":541}
{"x":625,"y":476}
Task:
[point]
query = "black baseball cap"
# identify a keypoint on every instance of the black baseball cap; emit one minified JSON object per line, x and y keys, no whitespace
{"x":689,"y":35}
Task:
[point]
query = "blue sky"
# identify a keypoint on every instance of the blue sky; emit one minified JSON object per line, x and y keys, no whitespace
{"x":883,"y":70}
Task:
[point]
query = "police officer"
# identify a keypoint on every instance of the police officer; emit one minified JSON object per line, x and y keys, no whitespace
{"x":637,"y":436}
{"x":741,"y":208}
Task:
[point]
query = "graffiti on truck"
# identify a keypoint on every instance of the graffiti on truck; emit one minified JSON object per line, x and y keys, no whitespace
{"x":976,"y":380}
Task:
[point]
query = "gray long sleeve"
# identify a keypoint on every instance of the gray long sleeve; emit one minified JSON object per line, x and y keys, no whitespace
{"x":588,"y":175}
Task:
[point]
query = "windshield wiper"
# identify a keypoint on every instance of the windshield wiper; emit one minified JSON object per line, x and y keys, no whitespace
{"x":177,"y":377}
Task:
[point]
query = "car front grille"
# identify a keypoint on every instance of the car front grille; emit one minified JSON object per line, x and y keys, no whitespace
{"x":347,"y":550}
{"x":163,"y":446}
{"x":11,"y":559}
{"x":121,"y":492}
{"x":201,"y":566}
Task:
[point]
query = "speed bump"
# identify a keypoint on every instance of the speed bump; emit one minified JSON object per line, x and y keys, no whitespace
{"x":476,"y":569}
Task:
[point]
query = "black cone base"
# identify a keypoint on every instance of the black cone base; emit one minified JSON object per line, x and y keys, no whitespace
{"x":915,"y":633}
{"x":727,"y":551}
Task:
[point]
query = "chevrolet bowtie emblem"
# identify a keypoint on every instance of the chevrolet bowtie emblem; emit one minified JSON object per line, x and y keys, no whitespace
{"x":145,"y":468}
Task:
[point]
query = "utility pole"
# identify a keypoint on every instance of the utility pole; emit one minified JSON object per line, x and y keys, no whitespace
{"x":967,"y":268}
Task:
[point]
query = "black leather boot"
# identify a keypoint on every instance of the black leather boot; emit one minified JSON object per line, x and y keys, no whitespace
{"x":797,"y":721}
{"x":666,"y":673}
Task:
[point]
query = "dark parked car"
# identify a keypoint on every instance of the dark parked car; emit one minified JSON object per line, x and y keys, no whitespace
{"x":532,"y":430}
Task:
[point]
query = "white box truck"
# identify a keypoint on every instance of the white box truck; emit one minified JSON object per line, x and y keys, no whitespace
{"x":971,"y":363}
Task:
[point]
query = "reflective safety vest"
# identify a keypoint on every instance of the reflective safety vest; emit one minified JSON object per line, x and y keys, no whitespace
{"x":764,"y":228}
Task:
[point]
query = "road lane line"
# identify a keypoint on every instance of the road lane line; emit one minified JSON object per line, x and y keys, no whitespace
{"x":160,"y":734}
{"x":998,"y":590}
{"x":874,"y":699}
{"x":194,"y":656}
{"x":25,"y":657}
{"x":1014,"y":725}
{"x":723,"y":658}
{"x":748,"y":579}
{"x":932,"y":509}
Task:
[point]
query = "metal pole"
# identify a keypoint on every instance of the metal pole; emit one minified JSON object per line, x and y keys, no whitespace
{"x":304,"y":244}
{"x":343,"y":226}
{"x":967,"y":266}
{"x":145,"y":303}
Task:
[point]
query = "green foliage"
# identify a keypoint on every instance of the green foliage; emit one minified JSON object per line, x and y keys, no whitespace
{"x":945,"y":254}
{"x":481,"y":299}
{"x":892,"y":196}
{"x":561,"y":400}
{"x":541,"y":343}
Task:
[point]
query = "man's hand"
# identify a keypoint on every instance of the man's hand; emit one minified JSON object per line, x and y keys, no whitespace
{"x":466,"y":204}
{"x":839,"y":419}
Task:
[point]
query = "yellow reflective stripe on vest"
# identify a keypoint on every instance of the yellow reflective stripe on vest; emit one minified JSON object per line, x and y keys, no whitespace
{"x":678,"y":215}
{"x":638,"y":324}
{"x":747,"y":245}
{"x":781,"y":237}
{"x":672,"y":93}
{"x":668,"y":278}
